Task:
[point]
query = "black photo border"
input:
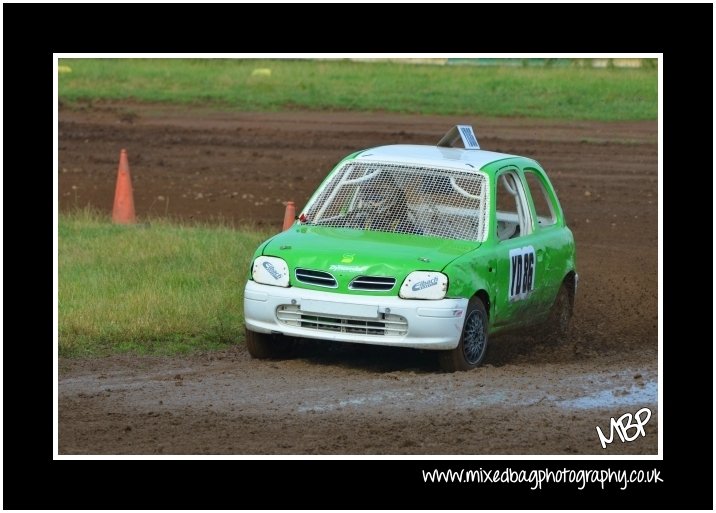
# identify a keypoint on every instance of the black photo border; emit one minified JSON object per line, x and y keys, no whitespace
{"x":33,"y":33}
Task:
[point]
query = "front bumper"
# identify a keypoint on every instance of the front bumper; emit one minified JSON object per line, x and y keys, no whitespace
{"x":379,"y":320}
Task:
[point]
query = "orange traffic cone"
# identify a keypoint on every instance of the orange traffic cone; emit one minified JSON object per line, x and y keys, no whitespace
{"x":123,"y":210}
{"x":290,"y":215}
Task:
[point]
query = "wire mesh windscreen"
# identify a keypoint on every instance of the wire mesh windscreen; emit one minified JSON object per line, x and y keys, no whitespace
{"x":403,"y":198}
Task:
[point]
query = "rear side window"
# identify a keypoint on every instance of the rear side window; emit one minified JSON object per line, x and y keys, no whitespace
{"x":544,"y":208}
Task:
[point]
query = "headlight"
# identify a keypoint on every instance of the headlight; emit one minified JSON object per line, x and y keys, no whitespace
{"x":424,"y":285}
{"x":270,"y":271}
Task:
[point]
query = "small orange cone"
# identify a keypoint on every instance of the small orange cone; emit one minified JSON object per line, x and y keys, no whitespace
{"x":123,"y":210}
{"x":289,"y":216}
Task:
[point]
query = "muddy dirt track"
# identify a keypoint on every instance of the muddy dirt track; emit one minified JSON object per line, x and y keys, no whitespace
{"x":529,"y":398}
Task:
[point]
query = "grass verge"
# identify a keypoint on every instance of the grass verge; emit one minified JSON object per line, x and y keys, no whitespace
{"x":558,"y":92}
{"x":155,"y":288}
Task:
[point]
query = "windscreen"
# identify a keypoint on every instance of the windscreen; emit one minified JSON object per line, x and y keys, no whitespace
{"x":403,"y":198}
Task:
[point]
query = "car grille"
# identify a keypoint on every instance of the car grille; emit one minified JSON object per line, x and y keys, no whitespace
{"x":372,"y":283}
{"x":320,"y":278}
{"x":389,"y":325}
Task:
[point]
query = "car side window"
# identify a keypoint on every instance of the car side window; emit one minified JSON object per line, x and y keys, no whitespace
{"x":544,"y":207}
{"x":512,"y":215}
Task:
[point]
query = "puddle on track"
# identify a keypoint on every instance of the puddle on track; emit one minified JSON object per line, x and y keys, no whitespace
{"x":634,"y":395}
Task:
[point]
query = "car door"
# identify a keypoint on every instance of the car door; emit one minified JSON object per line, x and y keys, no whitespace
{"x":519,"y":252}
{"x":548,"y":234}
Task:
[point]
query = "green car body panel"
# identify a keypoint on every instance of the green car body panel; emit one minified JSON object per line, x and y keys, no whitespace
{"x":349,"y":253}
{"x":540,"y":261}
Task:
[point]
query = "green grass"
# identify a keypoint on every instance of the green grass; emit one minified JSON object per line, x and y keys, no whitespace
{"x":157,"y":289}
{"x":556,"y":92}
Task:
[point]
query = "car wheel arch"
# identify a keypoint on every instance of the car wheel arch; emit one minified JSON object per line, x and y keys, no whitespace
{"x":483,"y":296}
{"x":570,"y":279}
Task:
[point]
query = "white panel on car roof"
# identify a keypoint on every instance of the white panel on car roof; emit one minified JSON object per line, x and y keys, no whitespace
{"x":433,"y":155}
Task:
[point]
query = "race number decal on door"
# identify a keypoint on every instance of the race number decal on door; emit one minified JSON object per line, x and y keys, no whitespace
{"x":522,"y":272}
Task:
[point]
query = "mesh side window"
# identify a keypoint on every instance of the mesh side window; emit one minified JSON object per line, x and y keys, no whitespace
{"x":401,"y":198}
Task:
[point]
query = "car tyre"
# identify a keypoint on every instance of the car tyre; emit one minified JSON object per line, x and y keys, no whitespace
{"x":263,"y":345}
{"x":471,"y":350}
{"x":559,"y":316}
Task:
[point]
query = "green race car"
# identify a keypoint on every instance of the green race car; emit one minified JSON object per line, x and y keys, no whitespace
{"x":429,"y":247}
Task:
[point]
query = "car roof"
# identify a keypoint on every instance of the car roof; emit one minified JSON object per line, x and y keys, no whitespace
{"x":432,"y":155}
